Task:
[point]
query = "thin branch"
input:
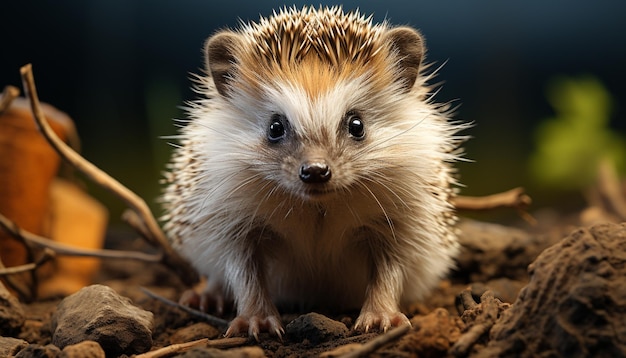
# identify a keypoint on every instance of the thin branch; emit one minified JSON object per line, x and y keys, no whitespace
{"x":6,"y":271}
{"x":376,"y":343}
{"x":212,"y":320}
{"x":174,"y":348}
{"x":229,"y":342}
{"x":94,"y":173}
{"x":222,"y":343}
{"x":45,"y":257}
{"x":514,"y":198}
{"x":24,"y":285}
{"x":62,"y":249}
{"x":8,"y":95}
{"x":137,"y":204}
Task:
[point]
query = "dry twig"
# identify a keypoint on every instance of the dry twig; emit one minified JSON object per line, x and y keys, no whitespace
{"x":174,"y":348}
{"x":8,"y":95}
{"x":137,"y":204}
{"x":377,"y":342}
{"x":222,"y":343}
{"x":212,"y":320}
{"x":515,"y":198}
{"x":45,"y":257}
{"x":62,"y":249}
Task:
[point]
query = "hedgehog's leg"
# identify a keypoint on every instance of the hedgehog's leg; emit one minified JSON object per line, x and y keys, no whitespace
{"x":381,"y":309}
{"x":255,"y":310}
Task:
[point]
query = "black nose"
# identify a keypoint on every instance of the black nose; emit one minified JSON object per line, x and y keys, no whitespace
{"x":315,"y":172}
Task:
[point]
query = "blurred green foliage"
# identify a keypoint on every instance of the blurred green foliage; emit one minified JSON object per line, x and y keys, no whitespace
{"x":570,"y":146}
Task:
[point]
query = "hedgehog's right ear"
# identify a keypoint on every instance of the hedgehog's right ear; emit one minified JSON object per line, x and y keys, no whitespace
{"x":408,"y":45}
{"x":220,"y":51}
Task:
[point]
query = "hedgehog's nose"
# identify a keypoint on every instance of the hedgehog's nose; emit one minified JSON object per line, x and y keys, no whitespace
{"x":316,"y":171}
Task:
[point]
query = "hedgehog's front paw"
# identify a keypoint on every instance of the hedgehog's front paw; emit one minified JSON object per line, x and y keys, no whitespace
{"x":380,"y":319}
{"x":255,"y":324}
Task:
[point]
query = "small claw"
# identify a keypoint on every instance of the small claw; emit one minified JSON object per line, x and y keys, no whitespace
{"x":278,"y":335}
{"x":382,"y":320}
{"x":254,"y":325}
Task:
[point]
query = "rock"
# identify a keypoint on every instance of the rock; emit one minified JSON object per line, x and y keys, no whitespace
{"x":242,"y":352}
{"x":39,"y":351}
{"x":11,"y":313}
{"x":575,"y":303}
{"x":315,"y":328}
{"x":491,"y":251}
{"x":10,"y":346}
{"x":432,"y":335}
{"x":194,"y":332}
{"x":84,"y":349}
{"x":99,"y":314}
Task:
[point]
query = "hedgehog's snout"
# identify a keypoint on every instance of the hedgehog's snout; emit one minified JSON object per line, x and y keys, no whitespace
{"x":315,"y":171}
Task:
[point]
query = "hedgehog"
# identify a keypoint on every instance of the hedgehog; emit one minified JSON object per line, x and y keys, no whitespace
{"x":315,"y":170}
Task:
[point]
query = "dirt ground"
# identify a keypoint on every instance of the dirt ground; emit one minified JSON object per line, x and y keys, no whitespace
{"x":472,"y":313}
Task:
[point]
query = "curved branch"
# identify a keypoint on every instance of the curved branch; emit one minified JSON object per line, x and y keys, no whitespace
{"x":137,"y":204}
{"x":515,"y":198}
{"x":62,"y":249}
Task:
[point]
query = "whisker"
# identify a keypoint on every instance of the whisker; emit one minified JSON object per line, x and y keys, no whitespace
{"x":389,"y":222}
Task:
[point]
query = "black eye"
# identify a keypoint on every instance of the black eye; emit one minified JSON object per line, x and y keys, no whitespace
{"x":356,"y":128}
{"x":276,"y":130}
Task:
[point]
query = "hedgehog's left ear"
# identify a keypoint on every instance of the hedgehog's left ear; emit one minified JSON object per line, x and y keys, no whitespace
{"x":408,"y":45}
{"x":220,"y":51}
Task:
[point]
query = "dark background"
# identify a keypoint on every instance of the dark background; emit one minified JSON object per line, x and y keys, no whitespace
{"x":120,"y":69}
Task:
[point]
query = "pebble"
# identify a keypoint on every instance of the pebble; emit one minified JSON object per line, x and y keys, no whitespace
{"x":99,"y":314}
{"x":84,"y":349}
{"x":194,"y":332}
{"x":39,"y":351}
{"x":10,"y":346}
{"x":315,"y":328}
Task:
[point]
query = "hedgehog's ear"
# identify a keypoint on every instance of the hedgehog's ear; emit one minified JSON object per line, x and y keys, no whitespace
{"x":408,"y":46}
{"x":220,"y":51}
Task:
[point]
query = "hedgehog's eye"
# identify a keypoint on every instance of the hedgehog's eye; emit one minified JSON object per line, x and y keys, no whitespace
{"x":356,"y":128}
{"x":276,"y":130}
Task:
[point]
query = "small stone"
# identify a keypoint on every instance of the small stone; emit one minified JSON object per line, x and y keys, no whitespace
{"x":194,"y":332}
{"x":39,"y":351}
{"x":11,"y":313}
{"x":10,"y":346}
{"x":85,"y":349}
{"x":315,"y":328}
{"x":99,"y":314}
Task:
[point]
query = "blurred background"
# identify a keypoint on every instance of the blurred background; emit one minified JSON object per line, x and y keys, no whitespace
{"x":121,"y":69}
